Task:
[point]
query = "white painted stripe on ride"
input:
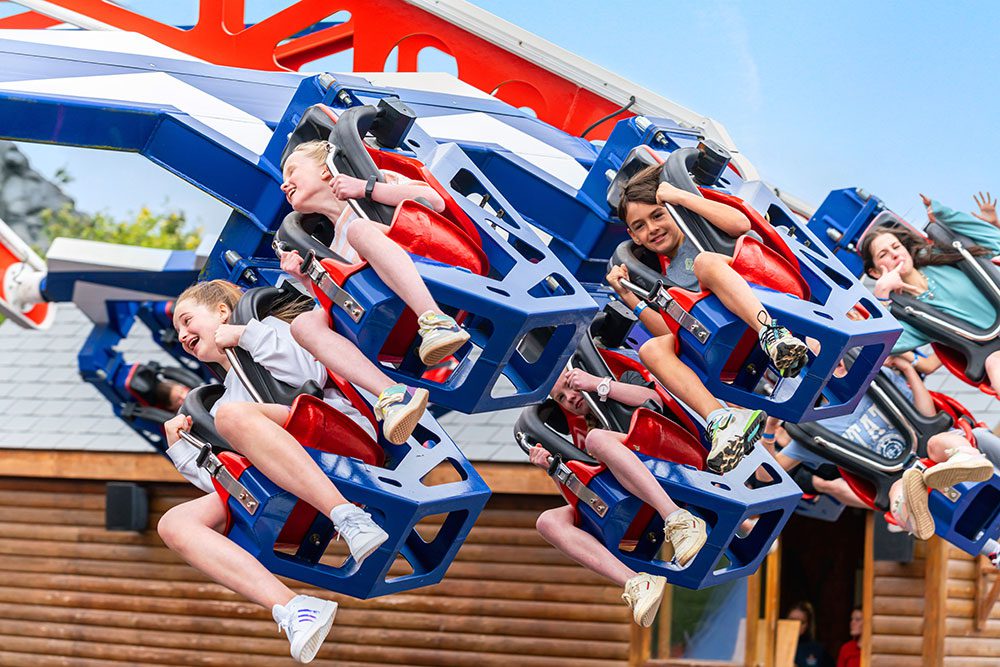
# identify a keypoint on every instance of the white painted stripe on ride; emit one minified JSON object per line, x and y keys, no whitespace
{"x":158,"y":88}
{"x":82,"y":255}
{"x":114,"y":41}
{"x":480,"y":127}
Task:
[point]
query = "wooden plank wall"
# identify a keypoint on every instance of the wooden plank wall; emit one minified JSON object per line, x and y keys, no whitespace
{"x":904,"y":626}
{"x":72,"y":593}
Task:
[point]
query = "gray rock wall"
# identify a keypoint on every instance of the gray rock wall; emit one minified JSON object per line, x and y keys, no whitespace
{"x":24,"y":194}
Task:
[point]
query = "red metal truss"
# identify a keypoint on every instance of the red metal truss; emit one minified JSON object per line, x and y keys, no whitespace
{"x":374,"y":29}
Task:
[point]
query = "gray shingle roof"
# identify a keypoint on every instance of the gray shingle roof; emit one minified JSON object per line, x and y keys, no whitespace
{"x":45,"y":404}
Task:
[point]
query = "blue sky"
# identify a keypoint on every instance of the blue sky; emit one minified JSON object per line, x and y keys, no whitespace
{"x":895,"y":97}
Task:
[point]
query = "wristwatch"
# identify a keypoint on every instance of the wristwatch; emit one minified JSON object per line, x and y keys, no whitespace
{"x":603,"y":389}
{"x":370,"y":186}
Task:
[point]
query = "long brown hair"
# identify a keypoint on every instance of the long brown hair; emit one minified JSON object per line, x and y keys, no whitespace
{"x":923,"y":251}
{"x":640,"y":189}
{"x":212,"y":293}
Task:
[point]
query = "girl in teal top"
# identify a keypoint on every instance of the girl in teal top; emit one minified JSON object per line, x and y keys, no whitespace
{"x":903,"y":261}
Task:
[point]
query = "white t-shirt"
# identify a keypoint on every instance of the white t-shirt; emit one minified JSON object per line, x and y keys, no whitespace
{"x":270,"y":343}
{"x":340,"y":244}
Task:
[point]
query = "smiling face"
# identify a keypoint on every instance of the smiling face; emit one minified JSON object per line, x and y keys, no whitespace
{"x":306,"y":183}
{"x":196,"y":324}
{"x":888,"y":252}
{"x":652,"y":227}
{"x":569,"y":399}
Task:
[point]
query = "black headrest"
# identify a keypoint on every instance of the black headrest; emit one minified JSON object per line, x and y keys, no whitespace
{"x":258,"y":303}
{"x":147,"y":376}
{"x":346,"y":135}
{"x":198,"y":406}
{"x":677,"y":171}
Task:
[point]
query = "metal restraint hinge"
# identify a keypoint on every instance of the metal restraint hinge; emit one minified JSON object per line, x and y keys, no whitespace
{"x":661,"y":298}
{"x":211,"y":463}
{"x":337,"y":294}
{"x":568,"y":478}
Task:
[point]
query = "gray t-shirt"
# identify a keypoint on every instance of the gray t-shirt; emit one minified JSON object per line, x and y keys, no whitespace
{"x":680,"y":271}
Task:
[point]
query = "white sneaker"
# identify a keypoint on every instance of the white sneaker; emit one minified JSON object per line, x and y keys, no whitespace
{"x":306,"y":621}
{"x":960,"y":467}
{"x":441,"y":337}
{"x":363,"y":536}
{"x":643,"y":594}
{"x":733,"y":436}
{"x":910,"y":509}
{"x":686,"y":533}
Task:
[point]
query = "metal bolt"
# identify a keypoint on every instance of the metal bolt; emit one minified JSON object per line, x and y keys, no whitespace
{"x":344,"y":98}
{"x":660,"y":138}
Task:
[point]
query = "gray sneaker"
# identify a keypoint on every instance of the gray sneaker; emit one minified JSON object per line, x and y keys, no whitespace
{"x":733,"y":436}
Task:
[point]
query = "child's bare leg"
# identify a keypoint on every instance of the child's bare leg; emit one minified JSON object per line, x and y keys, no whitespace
{"x":558,"y":529}
{"x":993,"y":370}
{"x":940,"y":443}
{"x":715,"y":273}
{"x":840,"y":490}
{"x":955,"y":461}
{"x":657,"y":354}
{"x":312,"y":331}
{"x":609,"y":448}
{"x":192,"y":531}
{"x":392,"y":264}
{"x":255,"y":431}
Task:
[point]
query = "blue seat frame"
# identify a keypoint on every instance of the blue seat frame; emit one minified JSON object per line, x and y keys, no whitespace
{"x":723,"y":501}
{"x":396,"y":497}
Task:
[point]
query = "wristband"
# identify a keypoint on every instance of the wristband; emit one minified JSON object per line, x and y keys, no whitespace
{"x":767,"y":436}
{"x":639,"y":307}
{"x":370,"y":186}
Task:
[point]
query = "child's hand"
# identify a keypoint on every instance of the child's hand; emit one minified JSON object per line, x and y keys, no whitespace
{"x":669,"y":194}
{"x":348,"y":187}
{"x":898,"y":363}
{"x":291,"y":263}
{"x":228,"y":335}
{"x":615,"y":276}
{"x":987,"y":208}
{"x":891,"y":281}
{"x":539,"y":456}
{"x":582,"y":380}
{"x":175,"y":424}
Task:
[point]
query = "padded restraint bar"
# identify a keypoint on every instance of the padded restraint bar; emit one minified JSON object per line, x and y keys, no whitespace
{"x":217,"y":470}
{"x":661,"y":300}
{"x":973,"y":343}
{"x":529,"y":422}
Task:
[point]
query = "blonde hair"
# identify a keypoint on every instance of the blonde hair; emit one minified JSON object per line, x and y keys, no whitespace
{"x":222,"y":292}
{"x":316,"y":150}
{"x":212,"y":293}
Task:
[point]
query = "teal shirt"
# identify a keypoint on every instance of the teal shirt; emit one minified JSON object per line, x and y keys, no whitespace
{"x":948,"y":288}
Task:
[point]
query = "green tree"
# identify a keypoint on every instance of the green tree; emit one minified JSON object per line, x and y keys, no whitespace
{"x":164,"y":230}
{"x":148,"y":229}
